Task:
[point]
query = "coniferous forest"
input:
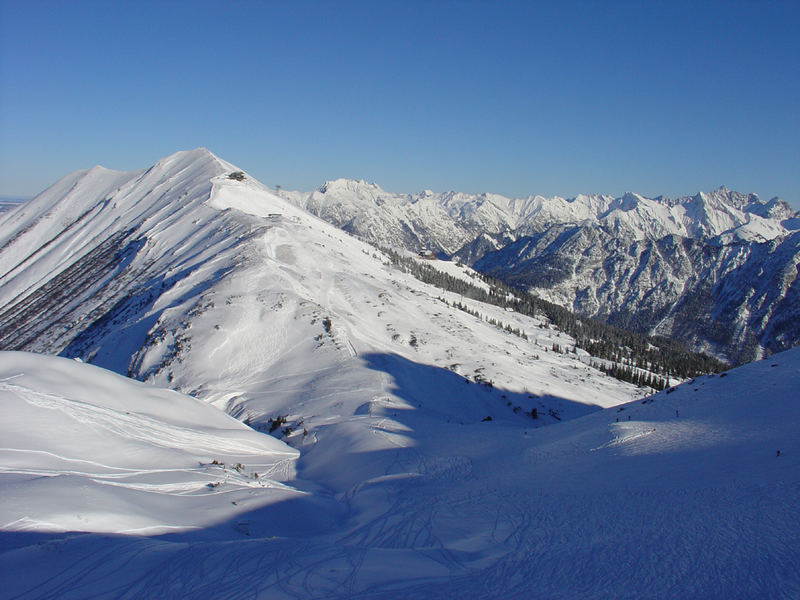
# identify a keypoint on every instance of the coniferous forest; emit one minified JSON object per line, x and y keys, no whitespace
{"x":634,"y":357}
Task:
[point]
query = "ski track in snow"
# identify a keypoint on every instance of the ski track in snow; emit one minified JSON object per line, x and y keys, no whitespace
{"x":533,"y":553}
{"x":133,"y":426}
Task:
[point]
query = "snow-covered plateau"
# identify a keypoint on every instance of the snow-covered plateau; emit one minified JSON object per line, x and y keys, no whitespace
{"x":335,"y":428}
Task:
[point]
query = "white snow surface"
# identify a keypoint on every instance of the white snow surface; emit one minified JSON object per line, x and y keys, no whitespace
{"x":391,"y":482}
{"x":678,"y":495}
{"x":85,"y":449}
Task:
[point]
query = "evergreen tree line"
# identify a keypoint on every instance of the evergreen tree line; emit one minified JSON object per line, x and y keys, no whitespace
{"x":630,"y":350}
{"x":492,"y":321}
{"x":633,"y":375}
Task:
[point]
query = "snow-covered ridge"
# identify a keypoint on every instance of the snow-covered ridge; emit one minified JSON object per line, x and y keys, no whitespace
{"x":187,"y":276}
{"x":424,"y":450}
{"x":447,"y":221}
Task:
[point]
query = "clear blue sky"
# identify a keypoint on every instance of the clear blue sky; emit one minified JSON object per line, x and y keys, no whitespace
{"x":509,"y":97}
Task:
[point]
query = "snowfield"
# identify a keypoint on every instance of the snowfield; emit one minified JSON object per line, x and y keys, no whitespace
{"x":85,"y":449}
{"x":397,"y":447}
{"x":678,"y":495}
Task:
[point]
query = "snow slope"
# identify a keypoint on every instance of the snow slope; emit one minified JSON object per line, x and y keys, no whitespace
{"x":88,"y":450}
{"x":421,"y":470}
{"x":678,"y":495}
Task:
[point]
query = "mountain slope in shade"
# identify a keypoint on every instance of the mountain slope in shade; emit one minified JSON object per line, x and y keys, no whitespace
{"x":691,"y":493}
{"x":741,"y":300}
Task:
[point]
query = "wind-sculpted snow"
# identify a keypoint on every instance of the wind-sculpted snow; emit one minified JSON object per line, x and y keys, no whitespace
{"x":87,"y":450}
{"x":689,"y":493}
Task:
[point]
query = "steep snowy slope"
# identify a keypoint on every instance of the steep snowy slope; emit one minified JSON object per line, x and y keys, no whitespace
{"x":81,"y":245}
{"x":689,"y":493}
{"x":740,"y":300}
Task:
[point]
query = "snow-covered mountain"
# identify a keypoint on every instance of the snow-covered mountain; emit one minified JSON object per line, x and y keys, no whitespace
{"x":446,"y":222}
{"x":738,"y":299}
{"x":408,"y":455}
{"x":716,"y":270}
{"x":187,"y":277}
{"x":194,"y":276}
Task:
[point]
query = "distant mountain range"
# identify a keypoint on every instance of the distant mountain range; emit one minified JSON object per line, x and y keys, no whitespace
{"x":10,"y":202}
{"x":717,"y":270}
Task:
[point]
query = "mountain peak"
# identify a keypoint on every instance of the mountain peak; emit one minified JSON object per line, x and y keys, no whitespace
{"x":629,"y":201}
{"x":187,"y":167}
{"x":344,"y":183}
{"x":197,"y":156}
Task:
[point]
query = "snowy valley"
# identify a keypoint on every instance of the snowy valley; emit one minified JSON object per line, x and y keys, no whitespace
{"x":311,"y":421}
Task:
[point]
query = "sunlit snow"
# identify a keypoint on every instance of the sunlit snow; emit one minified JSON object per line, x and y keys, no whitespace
{"x":405,"y":458}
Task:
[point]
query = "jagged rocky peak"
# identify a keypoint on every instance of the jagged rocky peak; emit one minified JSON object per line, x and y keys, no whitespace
{"x":724,"y":197}
{"x":628,"y":201}
{"x":750,"y":202}
{"x":775,"y":208}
